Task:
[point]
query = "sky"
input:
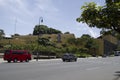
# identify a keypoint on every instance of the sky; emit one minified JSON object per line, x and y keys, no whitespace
{"x":21,"y":16}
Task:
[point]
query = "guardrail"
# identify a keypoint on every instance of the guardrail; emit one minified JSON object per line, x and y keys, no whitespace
{"x":43,"y":57}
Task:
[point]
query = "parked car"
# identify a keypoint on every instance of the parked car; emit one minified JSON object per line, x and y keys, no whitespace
{"x":17,"y":55}
{"x":69,"y":57}
{"x":117,"y":53}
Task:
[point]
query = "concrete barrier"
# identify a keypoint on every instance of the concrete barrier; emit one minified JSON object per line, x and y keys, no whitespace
{"x":43,"y":57}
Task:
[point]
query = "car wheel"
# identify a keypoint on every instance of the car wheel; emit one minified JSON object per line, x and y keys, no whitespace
{"x":63,"y":60}
{"x":75,"y":60}
{"x":27,"y":60}
{"x":21,"y":60}
{"x":9,"y":61}
{"x":15,"y":60}
{"x":69,"y":60}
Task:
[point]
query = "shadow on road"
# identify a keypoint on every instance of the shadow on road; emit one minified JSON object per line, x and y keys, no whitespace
{"x":117,"y":74}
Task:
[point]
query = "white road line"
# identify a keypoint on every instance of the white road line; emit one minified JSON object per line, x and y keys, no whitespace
{"x":93,"y":68}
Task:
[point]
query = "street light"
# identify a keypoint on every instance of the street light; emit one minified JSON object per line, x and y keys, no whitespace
{"x":39,"y":32}
{"x":37,"y":54}
{"x":40,"y":20}
{"x":15,"y":26}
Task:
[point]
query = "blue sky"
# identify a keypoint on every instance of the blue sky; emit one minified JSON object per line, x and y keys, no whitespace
{"x":21,"y":16}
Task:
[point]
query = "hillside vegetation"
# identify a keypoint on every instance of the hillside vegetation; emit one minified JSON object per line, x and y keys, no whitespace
{"x":30,"y":42}
{"x":49,"y":41}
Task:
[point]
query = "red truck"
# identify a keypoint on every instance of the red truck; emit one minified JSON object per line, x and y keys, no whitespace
{"x":17,"y":55}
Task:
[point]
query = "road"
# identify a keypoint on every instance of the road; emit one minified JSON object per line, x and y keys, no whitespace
{"x":83,"y":69}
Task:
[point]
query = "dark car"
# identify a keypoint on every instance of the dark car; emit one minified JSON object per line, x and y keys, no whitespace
{"x":69,"y":57}
{"x":117,"y":53}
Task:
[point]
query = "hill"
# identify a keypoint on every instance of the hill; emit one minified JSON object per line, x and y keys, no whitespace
{"x":30,"y":42}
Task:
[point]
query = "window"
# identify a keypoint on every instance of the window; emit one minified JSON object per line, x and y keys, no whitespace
{"x":17,"y":52}
{"x":7,"y":51}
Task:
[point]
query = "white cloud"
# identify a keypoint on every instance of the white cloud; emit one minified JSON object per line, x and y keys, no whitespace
{"x":91,"y":31}
{"x":18,"y":7}
{"x":84,"y":29}
{"x":47,"y":9}
{"x":26,"y":12}
{"x":29,"y":8}
{"x":46,"y":5}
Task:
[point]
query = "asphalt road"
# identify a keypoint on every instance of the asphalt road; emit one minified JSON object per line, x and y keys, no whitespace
{"x":83,"y":69}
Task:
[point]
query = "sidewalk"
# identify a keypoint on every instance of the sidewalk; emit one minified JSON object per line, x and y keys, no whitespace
{"x":33,"y":60}
{"x":1,"y":60}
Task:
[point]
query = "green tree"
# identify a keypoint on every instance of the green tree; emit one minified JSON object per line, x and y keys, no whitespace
{"x":43,"y":29}
{"x":90,"y":44}
{"x":39,"y":29}
{"x":71,"y":41}
{"x":85,"y":38}
{"x":43,"y":41}
{"x":67,"y":33}
{"x":107,"y":16}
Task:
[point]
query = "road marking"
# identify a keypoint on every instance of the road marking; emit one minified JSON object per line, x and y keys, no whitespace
{"x":93,"y":68}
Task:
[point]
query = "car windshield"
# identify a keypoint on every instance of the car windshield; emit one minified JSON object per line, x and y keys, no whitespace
{"x":7,"y":51}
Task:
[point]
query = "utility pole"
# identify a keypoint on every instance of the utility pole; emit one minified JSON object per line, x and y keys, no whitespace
{"x":40,"y":21}
{"x":15,"y":26}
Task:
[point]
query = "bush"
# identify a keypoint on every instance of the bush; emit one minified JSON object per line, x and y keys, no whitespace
{"x":82,"y":55}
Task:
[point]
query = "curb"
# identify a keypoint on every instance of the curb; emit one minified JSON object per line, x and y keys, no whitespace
{"x":33,"y":60}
